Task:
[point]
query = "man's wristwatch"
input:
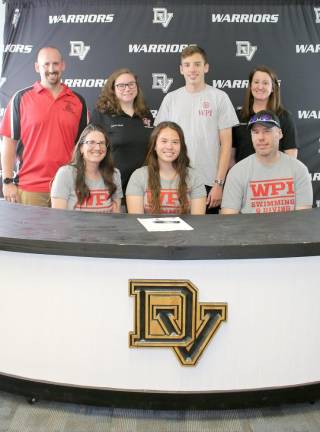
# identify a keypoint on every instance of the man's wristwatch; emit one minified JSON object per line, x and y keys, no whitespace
{"x":7,"y":180}
{"x":219,"y":182}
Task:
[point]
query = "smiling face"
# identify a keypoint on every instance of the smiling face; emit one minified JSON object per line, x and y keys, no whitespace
{"x":266,"y":141}
{"x":94,"y":147}
{"x":194,"y":68}
{"x":168,"y":145}
{"x":50,"y":66}
{"x":125,"y":89}
{"x":261,"y":86}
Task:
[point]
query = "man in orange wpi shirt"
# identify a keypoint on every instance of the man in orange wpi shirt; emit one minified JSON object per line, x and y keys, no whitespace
{"x":40,"y":126}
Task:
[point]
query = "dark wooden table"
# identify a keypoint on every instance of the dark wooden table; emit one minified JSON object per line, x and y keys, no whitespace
{"x":59,"y":232}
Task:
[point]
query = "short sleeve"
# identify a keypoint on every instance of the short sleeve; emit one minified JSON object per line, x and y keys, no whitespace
{"x":137,"y":184}
{"x":227,"y":116}
{"x":117,"y":181}
{"x":10,"y":125}
{"x":289,"y":131}
{"x":197,"y":188}
{"x":163,"y":113}
{"x":100,"y":119}
{"x":84,"y":117}
{"x":149,"y":116}
{"x":303,"y":186}
{"x":63,"y":183}
{"x":233,"y":191}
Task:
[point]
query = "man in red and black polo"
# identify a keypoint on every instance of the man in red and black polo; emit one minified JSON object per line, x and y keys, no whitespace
{"x":41,"y":125}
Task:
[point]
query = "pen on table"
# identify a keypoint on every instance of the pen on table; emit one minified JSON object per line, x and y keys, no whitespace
{"x":166,"y":221}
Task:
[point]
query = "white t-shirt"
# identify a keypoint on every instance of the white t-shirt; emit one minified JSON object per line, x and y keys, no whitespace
{"x":201,"y":116}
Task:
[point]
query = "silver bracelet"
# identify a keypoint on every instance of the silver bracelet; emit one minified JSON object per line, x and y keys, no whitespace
{"x":219,"y":182}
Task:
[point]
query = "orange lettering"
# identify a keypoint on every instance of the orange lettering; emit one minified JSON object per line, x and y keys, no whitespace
{"x":168,"y":198}
{"x":101,"y":198}
{"x":277,"y":187}
{"x":260,"y":189}
{"x":290,"y":187}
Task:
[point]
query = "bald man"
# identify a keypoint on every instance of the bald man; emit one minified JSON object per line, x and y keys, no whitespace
{"x":40,"y":127}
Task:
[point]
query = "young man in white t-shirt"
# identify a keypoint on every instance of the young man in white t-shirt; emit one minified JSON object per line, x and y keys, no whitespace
{"x":206,"y":116}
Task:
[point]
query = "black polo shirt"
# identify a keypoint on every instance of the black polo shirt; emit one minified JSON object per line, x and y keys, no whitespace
{"x":129,"y":138}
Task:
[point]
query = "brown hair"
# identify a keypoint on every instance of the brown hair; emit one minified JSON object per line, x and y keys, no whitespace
{"x":274,"y":103}
{"x":106,"y":167}
{"x":194,"y":49}
{"x":181,"y":165}
{"x":108,"y":101}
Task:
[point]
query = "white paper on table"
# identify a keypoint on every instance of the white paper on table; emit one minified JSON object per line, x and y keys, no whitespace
{"x":165,"y":224}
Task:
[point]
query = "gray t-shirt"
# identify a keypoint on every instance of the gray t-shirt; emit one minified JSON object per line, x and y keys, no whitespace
{"x":169,"y":199}
{"x":201,"y":116}
{"x":100,"y":200}
{"x":254,"y":187}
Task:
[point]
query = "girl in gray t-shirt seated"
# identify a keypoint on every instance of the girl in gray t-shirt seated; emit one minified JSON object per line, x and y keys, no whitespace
{"x":90,"y":182}
{"x":167,"y":184}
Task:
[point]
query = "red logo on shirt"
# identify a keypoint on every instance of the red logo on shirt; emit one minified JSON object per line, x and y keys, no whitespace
{"x":69,"y":108}
{"x":205,"y":111}
{"x":146,"y":122}
{"x":273,"y":195}
{"x":99,"y":200}
{"x":169,"y":201}
{"x":272,"y":188}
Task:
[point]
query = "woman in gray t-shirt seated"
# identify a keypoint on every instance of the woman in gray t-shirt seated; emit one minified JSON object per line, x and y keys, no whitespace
{"x":167,"y":184}
{"x":90,"y":182}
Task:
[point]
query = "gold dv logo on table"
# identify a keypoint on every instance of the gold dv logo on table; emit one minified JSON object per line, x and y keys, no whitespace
{"x":167,"y":314}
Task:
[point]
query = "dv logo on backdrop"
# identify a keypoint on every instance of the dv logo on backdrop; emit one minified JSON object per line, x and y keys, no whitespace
{"x":245,"y":49}
{"x":317,"y":14}
{"x":162,"y":16}
{"x":160,"y":81}
{"x":167,"y":314}
{"x":78,"y":49}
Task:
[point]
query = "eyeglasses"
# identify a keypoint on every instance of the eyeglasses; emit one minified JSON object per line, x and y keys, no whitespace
{"x":92,"y":144}
{"x":122,"y":86}
{"x":263,"y":118}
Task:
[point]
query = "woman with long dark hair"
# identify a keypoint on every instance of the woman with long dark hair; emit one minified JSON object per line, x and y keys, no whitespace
{"x":90,"y":182}
{"x":121,"y":110}
{"x":263,"y":93}
{"x":167,"y":183}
